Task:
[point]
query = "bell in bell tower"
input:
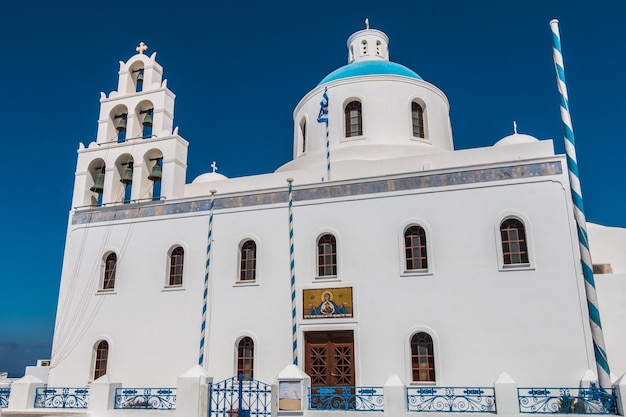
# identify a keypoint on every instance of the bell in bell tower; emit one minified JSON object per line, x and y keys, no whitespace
{"x":137,"y":156}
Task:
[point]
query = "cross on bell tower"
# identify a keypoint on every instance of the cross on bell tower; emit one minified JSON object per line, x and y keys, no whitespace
{"x":141,"y":48}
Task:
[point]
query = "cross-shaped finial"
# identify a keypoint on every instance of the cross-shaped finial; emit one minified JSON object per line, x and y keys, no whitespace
{"x":141,"y":48}
{"x":367,"y":23}
{"x":214,"y":167}
{"x":514,"y":127}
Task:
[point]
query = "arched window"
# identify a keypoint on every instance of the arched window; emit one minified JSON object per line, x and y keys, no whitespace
{"x":110,"y":267}
{"x":327,"y":256}
{"x":303,"y":131}
{"x":415,"y":248}
{"x":354,"y":120}
{"x":247,"y":268}
{"x":422,"y":358}
{"x":245,"y":357}
{"x":417,"y":116}
{"x":102,"y":356}
{"x":364,"y":47}
{"x":177,"y":257}
{"x":513,"y":236}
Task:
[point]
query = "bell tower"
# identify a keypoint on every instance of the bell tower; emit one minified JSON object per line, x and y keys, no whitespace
{"x":137,"y":156}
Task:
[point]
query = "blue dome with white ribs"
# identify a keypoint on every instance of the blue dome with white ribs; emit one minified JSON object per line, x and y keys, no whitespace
{"x":362,"y":68}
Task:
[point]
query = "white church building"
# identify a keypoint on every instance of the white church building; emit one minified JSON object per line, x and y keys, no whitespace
{"x":380,"y":265}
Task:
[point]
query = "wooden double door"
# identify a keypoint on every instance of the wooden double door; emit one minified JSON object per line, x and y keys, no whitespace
{"x":329,"y":358}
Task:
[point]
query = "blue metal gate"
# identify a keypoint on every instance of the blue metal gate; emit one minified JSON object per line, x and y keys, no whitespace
{"x":240,"y":397}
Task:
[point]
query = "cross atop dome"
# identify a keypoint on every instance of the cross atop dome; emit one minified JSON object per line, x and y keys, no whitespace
{"x":141,"y":48}
{"x":367,"y":23}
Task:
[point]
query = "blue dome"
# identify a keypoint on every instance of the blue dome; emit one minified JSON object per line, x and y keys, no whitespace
{"x":357,"y":69}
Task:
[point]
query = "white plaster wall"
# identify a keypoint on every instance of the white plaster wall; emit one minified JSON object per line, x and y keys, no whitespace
{"x":607,"y":246}
{"x":153,"y":331}
{"x":529,"y":323}
{"x":611,"y":291}
{"x":386,"y":110}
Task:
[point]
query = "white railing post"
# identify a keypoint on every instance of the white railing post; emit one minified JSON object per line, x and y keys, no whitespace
{"x":102,"y":394}
{"x":394,"y":393}
{"x":192,"y":393}
{"x":291,"y":397}
{"x":507,"y":403}
{"x":23,"y":392}
{"x":620,"y":392}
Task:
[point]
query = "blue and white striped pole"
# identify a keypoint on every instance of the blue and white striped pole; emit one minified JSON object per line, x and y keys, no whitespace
{"x":599,"y":348}
{"x":207,"y":268}
{"x":292,"y":265}
{"x":322,"y":117}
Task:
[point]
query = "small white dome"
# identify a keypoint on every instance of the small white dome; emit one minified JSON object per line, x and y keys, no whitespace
{"x":209,"y":177}
{"x":515,"y":139}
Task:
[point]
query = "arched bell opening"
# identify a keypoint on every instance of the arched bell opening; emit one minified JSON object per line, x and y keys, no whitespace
{"x":152,"y":175}
{"x":144,"y":114}
{"x":137,"y":76}
{"x":94,"y":183}
{"x":118,"y":124}
{"x":123,"y":179}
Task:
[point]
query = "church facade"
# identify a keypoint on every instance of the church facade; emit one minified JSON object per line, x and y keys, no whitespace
{"x":378,"y":251}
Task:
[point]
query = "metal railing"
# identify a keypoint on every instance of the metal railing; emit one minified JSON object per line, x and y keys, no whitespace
{"x":240,"y":396}
{"x":346,"y":398}
{"x":451,"y":399}
{"x":49,"y":397}
{"x":4,"y":397}
{"x":145,"y":398}
{"x":591,"y":400}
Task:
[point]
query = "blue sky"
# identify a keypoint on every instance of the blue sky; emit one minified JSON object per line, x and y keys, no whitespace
{"x":238,"y":70}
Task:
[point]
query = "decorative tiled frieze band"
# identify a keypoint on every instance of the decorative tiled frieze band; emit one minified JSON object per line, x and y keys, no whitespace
{"x":133,"y":211}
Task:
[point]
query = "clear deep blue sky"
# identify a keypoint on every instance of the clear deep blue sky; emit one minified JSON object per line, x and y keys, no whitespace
{"x":238,"y":70}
